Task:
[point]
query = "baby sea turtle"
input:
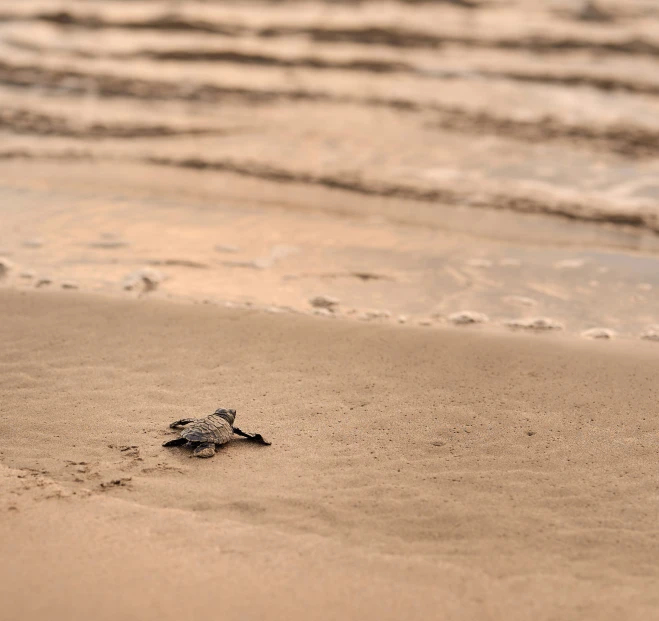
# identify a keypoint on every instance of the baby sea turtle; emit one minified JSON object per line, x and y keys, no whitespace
{"x":205,"y":433}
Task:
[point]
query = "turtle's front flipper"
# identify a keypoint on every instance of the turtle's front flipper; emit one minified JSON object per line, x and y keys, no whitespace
{"x":205,"y":449}
{"x":252,"y":437}
{"x":175,"y":442}
{"x":182,"y":422}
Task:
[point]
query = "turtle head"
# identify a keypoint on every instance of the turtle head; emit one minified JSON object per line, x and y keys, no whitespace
{"x":227,"y":415}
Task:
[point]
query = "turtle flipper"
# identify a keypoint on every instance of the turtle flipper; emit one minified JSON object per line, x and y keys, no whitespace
{"x":252,"y":437}
{"x":182,"y":422}
{"x":205,"y":449}
{"x":176,"y":442}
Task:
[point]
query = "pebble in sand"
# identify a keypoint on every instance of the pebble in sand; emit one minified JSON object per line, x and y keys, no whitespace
{"x":146,"y":278}
{"x":374,"y":314}
{"x":538,"y":324}
{"x":466,"y":317}
{"x":324,"y":302}
{"x":69,"y":284}
{"x":651,"y":333}
{"x":599,"y":333}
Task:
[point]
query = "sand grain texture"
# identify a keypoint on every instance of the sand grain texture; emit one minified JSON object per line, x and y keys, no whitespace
{"x":413,"y":474}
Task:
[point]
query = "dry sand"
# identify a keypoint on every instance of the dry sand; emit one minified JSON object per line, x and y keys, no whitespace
{"x":413,"y":474}
{"x":169,"y":170}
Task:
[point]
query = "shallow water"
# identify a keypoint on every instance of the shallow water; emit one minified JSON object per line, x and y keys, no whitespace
{"x":278,"y":257}
{"x":418,"y":159}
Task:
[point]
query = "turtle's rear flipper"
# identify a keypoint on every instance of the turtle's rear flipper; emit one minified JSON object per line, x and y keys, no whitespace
{"x":252,"y":437}
{"x":182,"y":422}
{"x":205,"y":449}
{"x":175,"y":442}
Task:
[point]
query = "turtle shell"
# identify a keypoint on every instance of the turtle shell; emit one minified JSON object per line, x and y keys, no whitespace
{"x":213,"y":428}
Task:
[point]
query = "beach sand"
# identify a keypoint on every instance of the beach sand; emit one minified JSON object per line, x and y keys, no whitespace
{"x":414,"y":244}
{"x":413,"y":474}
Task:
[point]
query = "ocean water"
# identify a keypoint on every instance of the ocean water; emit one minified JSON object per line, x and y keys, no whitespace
{"x":411,"y":160}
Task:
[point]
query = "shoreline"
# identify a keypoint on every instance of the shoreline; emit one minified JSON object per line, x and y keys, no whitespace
{"x":216,"y":240}
{"x":466,"y":321}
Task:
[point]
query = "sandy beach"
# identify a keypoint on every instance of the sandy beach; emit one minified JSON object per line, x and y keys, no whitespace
{"x":414,"y":244}
{"x":412,"y":474}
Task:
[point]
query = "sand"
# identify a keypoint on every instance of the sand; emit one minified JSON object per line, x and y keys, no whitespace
{"x":414,"y":244}
{"x":413,"y":474}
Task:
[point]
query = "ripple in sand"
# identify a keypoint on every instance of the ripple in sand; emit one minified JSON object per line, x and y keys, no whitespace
{"x":32,"y":243}
{"x":108,"y":243}
{"x":569,"y":264}
{"x":281,"y":251}
{"x":464,"y":318}
{"x":479,"y":263}
{"x":651,"y":333}
{"x":180,"y":263}
{"x":42,"y":282}
{"x":228,"y":248}
{"x":519,"y":300}
{"x":599,"y":333}
{"x":277,"y":253}
{"x":256,"y":264}
{"x":69,"y":284}
{"x":537,"y":324}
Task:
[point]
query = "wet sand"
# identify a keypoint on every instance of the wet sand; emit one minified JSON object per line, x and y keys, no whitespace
{"x":223,"y":239}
